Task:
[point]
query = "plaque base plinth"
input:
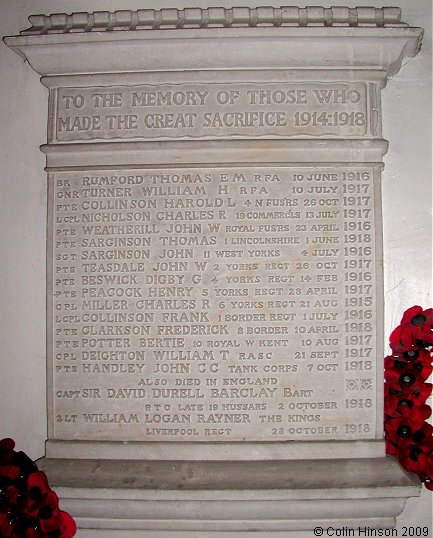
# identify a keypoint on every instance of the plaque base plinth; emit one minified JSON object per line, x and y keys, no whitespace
{"x":231,"y":496}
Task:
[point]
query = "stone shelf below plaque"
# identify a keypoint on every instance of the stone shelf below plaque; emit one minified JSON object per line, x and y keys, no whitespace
{"x":231,"y":496}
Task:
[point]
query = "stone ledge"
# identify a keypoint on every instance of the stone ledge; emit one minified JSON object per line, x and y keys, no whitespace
{"x":214,"y":451}
{"x":236,"y":496}
{"x":197,"y":152}
{"x":176,"y":475}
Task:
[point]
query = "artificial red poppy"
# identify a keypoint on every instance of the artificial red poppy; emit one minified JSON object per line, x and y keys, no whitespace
{"x":399,"y":431}
{"x":68,"y":527}
{"x":9,"y":472}
{"x":418,"y":354}
{"x":428,"y":483}
{"x":399,"y":363}
{"x":26,"y":464}
{"x":391,"y":447}
{"x":28,"y":507}
{"x":37,"y":484}
{"x":409,"y":408}
{"x":414,"y":461}
{"x":7,"y":444}
{"x":415,"y":329}
{"x":423,"y":453}
{"x":424,"y":392}
{"x":419,"y":413}
{"x":392,"y":404}
{"x":31,"y":532}
{"x":424,"y":370}
{"x":399,"y":406}
{"x":428,"y":471}
{"x":12,"y":494}
{"x":407,"y":434}
{"x":397,"y":398}
{"x":408,"y":377}
{"x":37,"y":490}
{"x":7,"y":454}
{"x":392,"y":390}
{"x":423,"y":434}
{"x":417,"y":316}
{"x":6,"y":528}
{"x":390,"y":361}
{"x":49,"y":513}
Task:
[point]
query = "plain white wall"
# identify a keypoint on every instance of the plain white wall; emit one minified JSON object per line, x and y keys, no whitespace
{"x":23,"y":112}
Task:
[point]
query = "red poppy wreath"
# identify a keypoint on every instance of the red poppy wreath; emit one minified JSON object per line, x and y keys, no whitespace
{"x":29,"y":508}
{"x":407,"y":434}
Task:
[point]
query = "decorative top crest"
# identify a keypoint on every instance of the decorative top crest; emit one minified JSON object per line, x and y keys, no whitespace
{"x":214,"y":17}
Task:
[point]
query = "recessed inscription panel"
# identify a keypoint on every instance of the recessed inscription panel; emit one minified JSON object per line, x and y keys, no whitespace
{"x":206,"y":110}
{"x":214,"y":304}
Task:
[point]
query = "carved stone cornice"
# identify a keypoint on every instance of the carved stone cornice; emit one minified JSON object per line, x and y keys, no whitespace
{"x":317,"y":46}
{"x":214,"y":17}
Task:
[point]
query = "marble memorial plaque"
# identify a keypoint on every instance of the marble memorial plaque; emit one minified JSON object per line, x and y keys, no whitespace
{"x":215,"y":303}
{"x":205,"y":304}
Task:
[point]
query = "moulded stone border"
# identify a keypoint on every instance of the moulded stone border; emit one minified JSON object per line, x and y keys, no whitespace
{"x":215,"y":17}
